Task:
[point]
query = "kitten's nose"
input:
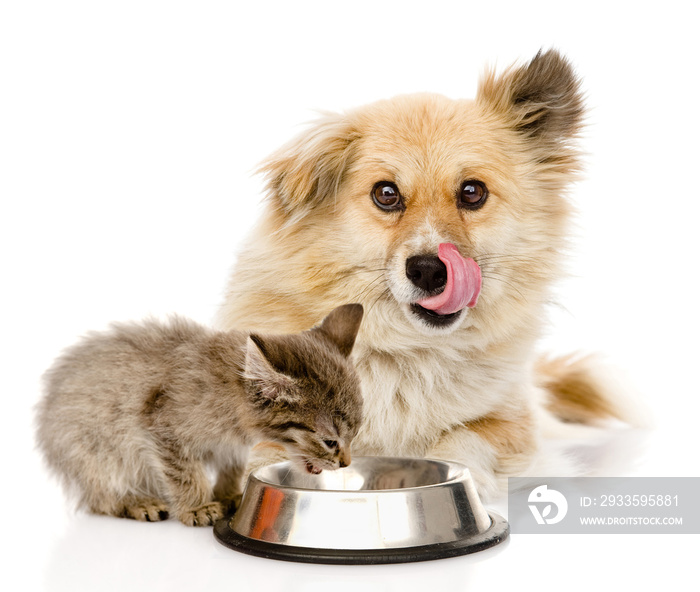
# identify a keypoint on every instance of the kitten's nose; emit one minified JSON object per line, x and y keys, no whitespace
{"x":344,"y":458}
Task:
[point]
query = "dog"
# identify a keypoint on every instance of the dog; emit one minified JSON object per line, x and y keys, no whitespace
{"x":448,"y":220}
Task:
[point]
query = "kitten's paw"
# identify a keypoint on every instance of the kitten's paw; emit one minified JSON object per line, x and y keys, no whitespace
{"x":231,"y":504}
{"x":204,"y":515}
{"x":145,"y":510}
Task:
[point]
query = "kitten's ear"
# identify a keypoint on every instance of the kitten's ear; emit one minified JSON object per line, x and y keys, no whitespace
{"x":341,"y":326}
{"x":542,"y":99}
{"x":270,"y":383}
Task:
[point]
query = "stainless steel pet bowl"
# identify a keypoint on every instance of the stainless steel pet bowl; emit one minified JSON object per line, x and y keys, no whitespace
{"x":377,"y":510}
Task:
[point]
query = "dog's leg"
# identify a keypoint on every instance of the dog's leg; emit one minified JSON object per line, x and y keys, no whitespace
{"x":492,"y":447}
{"x":263,"y":454}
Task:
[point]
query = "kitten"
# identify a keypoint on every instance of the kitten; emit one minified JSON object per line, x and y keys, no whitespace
{"x":132,"y":418}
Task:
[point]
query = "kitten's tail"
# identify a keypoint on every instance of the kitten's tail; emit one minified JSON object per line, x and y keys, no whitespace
{"x":585,"y":390}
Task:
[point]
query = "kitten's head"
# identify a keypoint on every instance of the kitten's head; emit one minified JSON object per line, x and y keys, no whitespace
{"x":304,"y":389}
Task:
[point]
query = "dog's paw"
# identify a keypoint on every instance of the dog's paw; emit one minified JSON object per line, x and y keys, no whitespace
{"x":204,"y":515}
{"x":489,"y":484}
{"x":263,"y":454}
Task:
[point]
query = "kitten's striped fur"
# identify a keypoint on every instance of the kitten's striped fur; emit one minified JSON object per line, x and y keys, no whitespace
{"x":132,"y":418}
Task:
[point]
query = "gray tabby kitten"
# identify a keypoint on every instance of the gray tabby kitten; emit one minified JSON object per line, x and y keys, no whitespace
{"x":132,"y":418}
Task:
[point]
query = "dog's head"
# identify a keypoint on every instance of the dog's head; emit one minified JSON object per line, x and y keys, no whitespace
{"x":452,"y":210}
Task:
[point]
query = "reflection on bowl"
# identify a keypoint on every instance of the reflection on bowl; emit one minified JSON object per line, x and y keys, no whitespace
{"x":377,"y":510}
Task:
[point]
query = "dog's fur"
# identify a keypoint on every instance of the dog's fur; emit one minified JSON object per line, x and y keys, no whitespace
{"x":469,"y":391}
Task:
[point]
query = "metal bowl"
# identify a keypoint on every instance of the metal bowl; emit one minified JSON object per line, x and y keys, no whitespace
{"x":377,"y":510}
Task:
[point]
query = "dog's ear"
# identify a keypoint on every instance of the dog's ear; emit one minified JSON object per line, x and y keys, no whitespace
{"x":541,"y":100}
{"x":309,"y":169}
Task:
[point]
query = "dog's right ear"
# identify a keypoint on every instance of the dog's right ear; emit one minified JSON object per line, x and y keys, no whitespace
{"x":305,"y":172}
{"x":541,"y":100}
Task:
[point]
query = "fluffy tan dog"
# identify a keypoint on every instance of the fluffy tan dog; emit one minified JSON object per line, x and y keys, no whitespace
{"x":447,"y":220}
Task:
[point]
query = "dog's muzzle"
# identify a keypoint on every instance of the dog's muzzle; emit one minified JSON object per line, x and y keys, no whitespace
{"x":452,"y":283}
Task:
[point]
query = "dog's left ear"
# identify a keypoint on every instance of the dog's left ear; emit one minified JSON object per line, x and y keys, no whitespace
{"x":540,"y":100}
{"x":309,"y":169}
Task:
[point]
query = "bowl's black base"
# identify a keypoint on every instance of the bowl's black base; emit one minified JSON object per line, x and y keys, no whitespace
{"x":497,"y":533}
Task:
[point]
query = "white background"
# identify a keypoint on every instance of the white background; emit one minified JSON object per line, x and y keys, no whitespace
{"x":129,"y":132}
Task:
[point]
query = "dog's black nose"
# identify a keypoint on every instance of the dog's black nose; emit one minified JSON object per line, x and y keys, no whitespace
{"x":426,"y":272}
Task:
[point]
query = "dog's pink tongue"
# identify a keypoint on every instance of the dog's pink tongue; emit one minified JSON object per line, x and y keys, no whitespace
{"x":463,"y":283}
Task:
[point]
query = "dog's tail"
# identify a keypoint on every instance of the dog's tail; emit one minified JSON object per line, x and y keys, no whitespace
{"x":584,"y":390}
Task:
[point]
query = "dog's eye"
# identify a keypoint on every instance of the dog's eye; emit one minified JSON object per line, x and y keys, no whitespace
{"x":472,"y":195}
{"x":386,"y":196}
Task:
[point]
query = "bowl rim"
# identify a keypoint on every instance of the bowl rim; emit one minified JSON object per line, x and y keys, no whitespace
{"x":461,"y":473}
